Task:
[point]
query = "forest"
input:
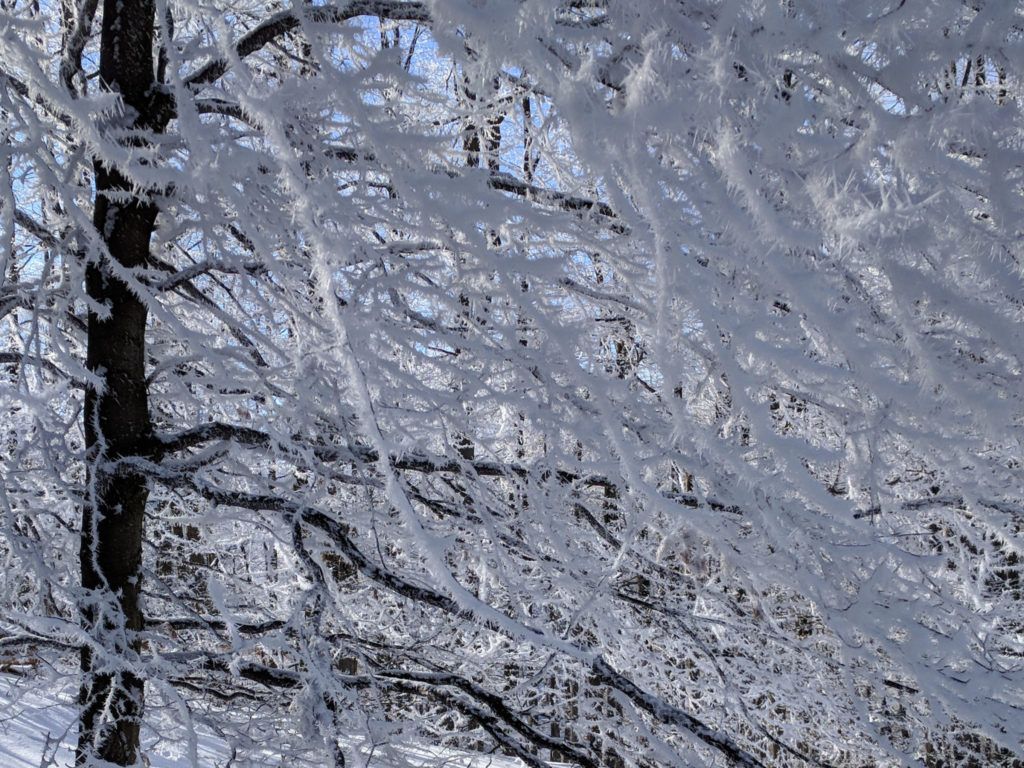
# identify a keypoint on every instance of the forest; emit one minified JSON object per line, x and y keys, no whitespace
{"x":493,"y":383}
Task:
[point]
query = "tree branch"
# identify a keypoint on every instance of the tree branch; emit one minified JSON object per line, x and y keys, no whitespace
{"x":281,"y":23}
{"x":660,"y":710}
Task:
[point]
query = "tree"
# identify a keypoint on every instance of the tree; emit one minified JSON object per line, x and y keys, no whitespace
{"x":622,"y":383}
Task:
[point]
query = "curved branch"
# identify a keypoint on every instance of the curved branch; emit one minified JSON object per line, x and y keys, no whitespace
{"x":284,"y":22}
{"x":660,"y":710}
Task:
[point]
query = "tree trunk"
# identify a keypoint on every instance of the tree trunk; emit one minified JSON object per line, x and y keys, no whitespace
{"x":117,"y":423}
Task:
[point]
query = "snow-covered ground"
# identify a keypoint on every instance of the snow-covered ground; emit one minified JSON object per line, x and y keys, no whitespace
{"x":37,"y":731}
{"x":34,"y":731}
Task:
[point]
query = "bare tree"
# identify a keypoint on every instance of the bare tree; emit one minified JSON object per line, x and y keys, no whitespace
{"x":617,"y":383}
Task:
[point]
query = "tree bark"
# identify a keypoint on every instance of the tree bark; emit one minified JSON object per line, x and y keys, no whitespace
{"x":117,"y":421}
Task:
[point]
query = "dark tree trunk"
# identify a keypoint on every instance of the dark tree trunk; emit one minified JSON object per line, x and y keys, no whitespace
{"x":117,"y":423}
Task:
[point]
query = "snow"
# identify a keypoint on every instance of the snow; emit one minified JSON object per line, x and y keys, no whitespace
{"x":34,"y":730}
{"x":37,"y":730}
